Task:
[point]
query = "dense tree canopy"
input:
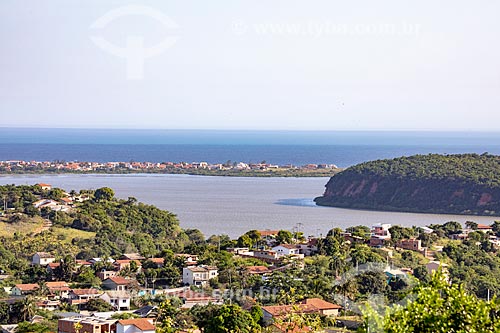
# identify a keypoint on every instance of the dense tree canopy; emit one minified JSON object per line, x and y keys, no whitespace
{"x":462,"y":184}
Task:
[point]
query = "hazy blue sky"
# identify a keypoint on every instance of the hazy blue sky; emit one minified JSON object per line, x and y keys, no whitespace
{"x":256,"y":64}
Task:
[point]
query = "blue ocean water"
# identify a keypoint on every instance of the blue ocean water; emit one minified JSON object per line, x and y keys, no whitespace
{"x":343,"y":148}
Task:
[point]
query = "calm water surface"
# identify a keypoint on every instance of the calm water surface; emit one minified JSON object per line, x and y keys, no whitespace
{"x":233,"y":205}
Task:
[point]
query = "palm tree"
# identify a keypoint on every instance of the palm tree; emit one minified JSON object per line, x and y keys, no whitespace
{"x":28,"y":308}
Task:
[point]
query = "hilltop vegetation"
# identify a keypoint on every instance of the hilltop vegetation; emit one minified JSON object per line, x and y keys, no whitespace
{"x":101,"y":226}
{"x":458,"y":184}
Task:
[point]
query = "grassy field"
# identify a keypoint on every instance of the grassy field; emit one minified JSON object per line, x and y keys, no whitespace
{"x":25,"y":227}
{"x":34,"y":225}
{"x":65,"y":235}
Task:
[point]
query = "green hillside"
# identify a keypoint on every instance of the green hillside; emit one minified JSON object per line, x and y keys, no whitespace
{"x":455,"y":184}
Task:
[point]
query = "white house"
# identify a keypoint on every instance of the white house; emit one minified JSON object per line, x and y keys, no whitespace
{"x":198,"y":275}
{"x":42,"y":258}
{"x":287,"y":250}
{"x":137,"y":325}
{"x":120,"y":300}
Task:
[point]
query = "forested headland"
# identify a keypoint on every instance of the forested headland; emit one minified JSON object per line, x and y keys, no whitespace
{"x":454,"y":184}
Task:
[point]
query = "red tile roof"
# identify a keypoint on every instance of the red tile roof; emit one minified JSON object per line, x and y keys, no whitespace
{"x":310,"y":305}
{"x":119,"y":280}
{"x":141,"y":323}
{"x":321,"y":304}
{"x":54,"y":265}
{"x":81,"y":292}
{"x":258,"y":269}
{"x":157,"y":260}
{"x":264,"y":233}
{"x":27,"y":286}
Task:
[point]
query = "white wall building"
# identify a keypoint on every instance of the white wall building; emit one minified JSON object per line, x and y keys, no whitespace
{"x":42,"y":258}
{"x":287,"y":250}
{"x":120,"y":300}
{"x":199,"y":275}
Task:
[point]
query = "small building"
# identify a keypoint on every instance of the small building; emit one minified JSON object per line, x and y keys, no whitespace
{"x":310,"y":248}
{"x":88,"y":324}
{"x":60,"y":289}
{"x":137,"y":325}
{"x":324,"y":308}
{"x":484,"y":228}
{"x":94,"y":261}
{"x":381,"y":229}
{"x":189,"y":259}
{"x":45,"y":187}
{"x":81,"y":262}
{"x":410,"y":244}
{"x":117,"y":283}
{"x":266,"y":255}
{"x":49,"y":305}
{"x":199,"y":275}
{"x":159,"y":262}
{"x":121,"y":264}
{"x":393,"y":273}
{"x":132,"y":256}
{"x":287,"y":250}
{"x":268,"y":233}
{"x":105,"y":274}
{"x":120,"y":300}
{"x":238,"y":250}
{"x":82,"y":296}
{"x":24,"y":289}
{"x":52,"y":267}
{"x":191,"y":298}
{"x":258,"y":270}
{"x":433,"y":266}
{"x":42,"y":258}
{"x":310,"y":305}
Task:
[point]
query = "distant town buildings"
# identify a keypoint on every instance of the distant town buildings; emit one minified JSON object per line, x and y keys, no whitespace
{"x":80,"y":166}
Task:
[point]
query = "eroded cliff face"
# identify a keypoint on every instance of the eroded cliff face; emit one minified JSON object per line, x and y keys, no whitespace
{"x":368,"y":191}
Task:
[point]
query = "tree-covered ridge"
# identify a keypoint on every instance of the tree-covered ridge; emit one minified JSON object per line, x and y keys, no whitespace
{"x":467,"y":168}
{"x":458,"y":184}
{"x":119,"y":225}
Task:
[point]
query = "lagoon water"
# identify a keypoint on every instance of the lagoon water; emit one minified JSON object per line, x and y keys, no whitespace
{"x":234,"y":205}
